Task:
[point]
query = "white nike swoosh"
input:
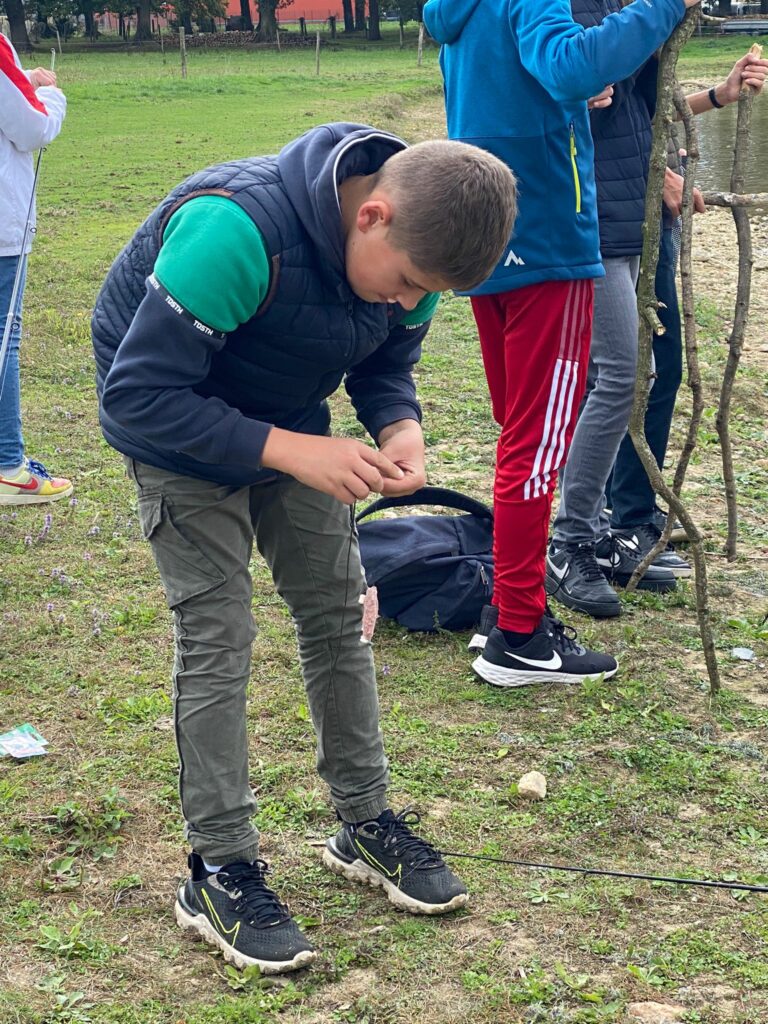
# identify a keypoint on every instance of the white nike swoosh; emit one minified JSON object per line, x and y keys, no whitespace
{"x":553,"y":663}
{"x":558,"y":572}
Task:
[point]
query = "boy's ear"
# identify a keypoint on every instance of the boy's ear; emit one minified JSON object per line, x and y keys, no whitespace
{"x":372,"y":213}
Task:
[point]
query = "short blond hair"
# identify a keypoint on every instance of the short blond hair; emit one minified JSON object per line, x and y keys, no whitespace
{"x":454,"y":207}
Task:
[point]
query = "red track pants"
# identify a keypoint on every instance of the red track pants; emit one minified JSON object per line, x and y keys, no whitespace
{"x":535,"y":344}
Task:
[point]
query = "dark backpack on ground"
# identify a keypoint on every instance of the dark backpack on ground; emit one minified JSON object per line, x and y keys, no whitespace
{"x":431,"y":571}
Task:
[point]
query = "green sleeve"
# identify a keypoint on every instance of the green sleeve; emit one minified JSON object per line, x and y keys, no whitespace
{"x":213,"y":262}
{"x":422,"y":312}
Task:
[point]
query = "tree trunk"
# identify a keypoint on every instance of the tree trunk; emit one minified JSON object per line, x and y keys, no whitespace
{"x":186,"y":22}
{"x":245,"y":15}
{"x":90,"y":29}
{"x":374,"y":27}
{"x":143,"y":22}
{"x":18,"y":26}
{"x":267,"y":20}
{"x":349,"y":18}
{"x":359,"y":15}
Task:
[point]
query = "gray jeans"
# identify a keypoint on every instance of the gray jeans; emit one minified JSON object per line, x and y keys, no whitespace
{"x":202,"y":537}
{"x":604,"y":414}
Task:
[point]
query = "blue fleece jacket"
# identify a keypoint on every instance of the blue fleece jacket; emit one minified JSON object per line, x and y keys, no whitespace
{"x":517,"y":76}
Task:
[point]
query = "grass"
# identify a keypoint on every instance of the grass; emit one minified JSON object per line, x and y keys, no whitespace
{"x":646,"y":774}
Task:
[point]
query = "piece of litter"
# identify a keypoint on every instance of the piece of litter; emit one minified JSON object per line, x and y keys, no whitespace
{"x":370,"y":604}
{"x":23,"y":741}
{"x":743,"y":654}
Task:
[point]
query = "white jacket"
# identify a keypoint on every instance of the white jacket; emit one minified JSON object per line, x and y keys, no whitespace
{"x":29,"y":119}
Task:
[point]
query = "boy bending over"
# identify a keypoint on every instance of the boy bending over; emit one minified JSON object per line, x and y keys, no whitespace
{"x":237,"y":308}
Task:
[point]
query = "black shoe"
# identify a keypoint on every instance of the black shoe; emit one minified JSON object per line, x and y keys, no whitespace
{"x":646,"y":537}
{"x":618,"y":555}
{"x":577,"y":581}
{"x":235,"y":910}
{"x":385,"y":852}
{"x":659,"y":520}
{"x":552,"y":655}
{"x":489,"y":616}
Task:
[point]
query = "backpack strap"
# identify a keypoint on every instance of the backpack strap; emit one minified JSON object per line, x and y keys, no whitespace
{"x":430,"y":496}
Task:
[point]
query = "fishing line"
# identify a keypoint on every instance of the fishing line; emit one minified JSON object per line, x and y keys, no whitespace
{"x":740,"y":886}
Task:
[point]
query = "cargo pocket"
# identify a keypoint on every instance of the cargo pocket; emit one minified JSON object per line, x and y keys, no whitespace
{"x":185,"y":570}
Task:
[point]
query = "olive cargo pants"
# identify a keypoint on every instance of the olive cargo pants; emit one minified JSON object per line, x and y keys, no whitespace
{"x":202,"y":536}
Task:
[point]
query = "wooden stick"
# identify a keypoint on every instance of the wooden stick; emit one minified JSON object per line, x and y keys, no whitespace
{"x":647,"y":306}
{"x":731,"y":199}
{"x":741,"y":312}
{"x":421,"y":42}
{"x":317,"y":53}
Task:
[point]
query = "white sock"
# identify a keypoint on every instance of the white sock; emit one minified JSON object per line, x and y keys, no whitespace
{"x":212,"y":867}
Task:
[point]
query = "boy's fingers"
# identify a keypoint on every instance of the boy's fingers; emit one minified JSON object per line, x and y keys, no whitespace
{"x":384,"y":465}
{"x":370,"y":478}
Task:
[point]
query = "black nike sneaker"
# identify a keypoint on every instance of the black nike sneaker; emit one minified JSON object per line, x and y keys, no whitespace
{"x":552,"y":655}
{"x":646,"y":536}
{"x":577,"y":581}
{"x":235,"y":909}
{"x":386,"y":853}
{"x":619,"y":554}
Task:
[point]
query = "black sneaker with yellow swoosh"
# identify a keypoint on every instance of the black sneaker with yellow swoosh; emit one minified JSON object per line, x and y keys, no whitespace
{"x":235,"y":909}
{"x":386,"y":853}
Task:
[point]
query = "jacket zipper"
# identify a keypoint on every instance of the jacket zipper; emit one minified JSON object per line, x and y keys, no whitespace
{"x":574,"y":165}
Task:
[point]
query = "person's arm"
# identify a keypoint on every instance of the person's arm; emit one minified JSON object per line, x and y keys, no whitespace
{"x":29,"y":118}
{"x":211,"y":275}
{"x":748,"y":70}
{"x":381,"y":387}
{"x":573,"y":63}
{"x":383,"y":392}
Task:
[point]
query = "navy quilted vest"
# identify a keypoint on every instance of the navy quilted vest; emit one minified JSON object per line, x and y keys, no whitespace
{"x":622,"y":137}
{"x":282,"y":364}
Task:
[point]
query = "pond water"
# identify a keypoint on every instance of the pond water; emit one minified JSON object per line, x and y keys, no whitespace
{"x":717,"y":133}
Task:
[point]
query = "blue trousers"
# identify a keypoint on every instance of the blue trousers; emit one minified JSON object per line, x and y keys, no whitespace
{"x":11,"y":440}
{"x":631,"y":496}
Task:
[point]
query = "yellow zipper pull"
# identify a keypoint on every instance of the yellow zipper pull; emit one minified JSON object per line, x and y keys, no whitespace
{"x":574,"y":165}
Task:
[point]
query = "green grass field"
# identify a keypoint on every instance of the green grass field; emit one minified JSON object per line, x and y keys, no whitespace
{"x":646,"y":774}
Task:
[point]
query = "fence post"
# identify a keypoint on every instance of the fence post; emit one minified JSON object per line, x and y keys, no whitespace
{"x":332,"y":24}
{"x":183,"y":49}
{"x":303,"y":28}
{"x":421,"y":41}
{"x":317,"y":54}
{"x":402,"y":35}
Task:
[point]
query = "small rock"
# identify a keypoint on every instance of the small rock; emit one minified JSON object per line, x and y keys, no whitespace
{"x":655,"y":1013}
{"x":533,"y":786}
{"x":743,"y":654}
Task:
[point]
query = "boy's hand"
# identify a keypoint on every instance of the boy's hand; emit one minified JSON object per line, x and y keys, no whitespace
{"x":41,"y":76}
{"x":603,"y":99}
{"x":749,"y":70}
{"x":403,"y":443}
{"x":346,"y":469}
{"x":673,"y":194}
